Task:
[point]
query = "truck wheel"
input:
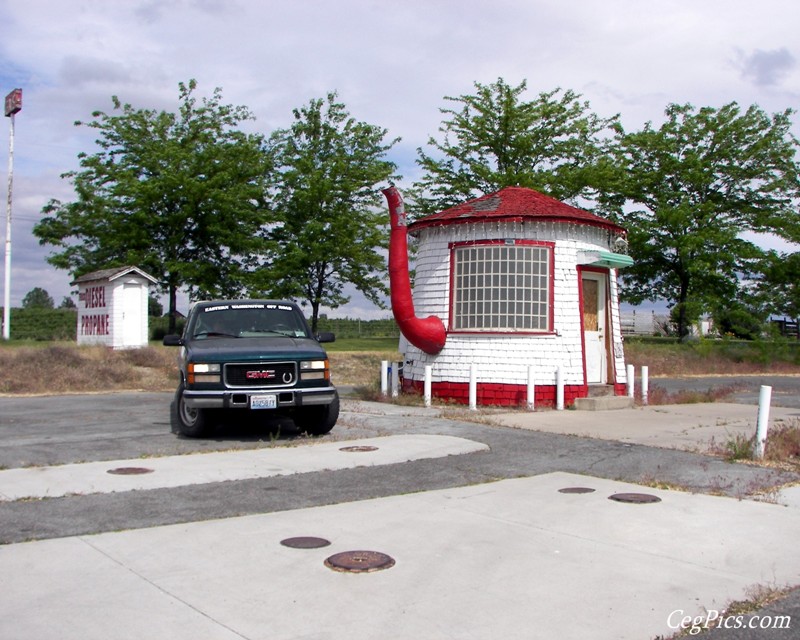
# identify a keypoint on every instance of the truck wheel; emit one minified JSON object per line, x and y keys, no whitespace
{"x":319,"y":420}
{"x":189,"y":422}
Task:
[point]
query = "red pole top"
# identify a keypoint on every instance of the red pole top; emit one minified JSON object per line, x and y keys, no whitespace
{"x":13,"y":102}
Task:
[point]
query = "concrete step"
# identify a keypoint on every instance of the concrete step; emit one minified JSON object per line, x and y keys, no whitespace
{"x":604,"y":403}
{"x":601,"y":390}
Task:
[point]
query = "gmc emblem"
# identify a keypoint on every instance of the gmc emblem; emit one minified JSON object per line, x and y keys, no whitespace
{"x":260,"y":375}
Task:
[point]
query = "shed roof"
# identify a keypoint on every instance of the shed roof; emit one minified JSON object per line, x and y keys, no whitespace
{"x":513,"y":204}
{"x":113,"y":274}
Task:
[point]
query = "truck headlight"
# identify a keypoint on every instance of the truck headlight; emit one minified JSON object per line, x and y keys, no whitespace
{"x":202,"y":372}
{"x":315,"y":370}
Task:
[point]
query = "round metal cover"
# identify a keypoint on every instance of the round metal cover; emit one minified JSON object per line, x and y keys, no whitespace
{"x":635,"y":498}
{"x":359,"y":561}
{"x":305,"y":542}
{"x":357,"y":449}
{"x":130,"y":471}
{"x":576,"y":490}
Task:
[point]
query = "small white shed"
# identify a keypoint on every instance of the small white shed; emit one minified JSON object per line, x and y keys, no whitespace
{"x":112,"y":307}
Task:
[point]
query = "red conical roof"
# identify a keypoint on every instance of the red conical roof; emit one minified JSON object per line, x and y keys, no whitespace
{"x":512,"y":204}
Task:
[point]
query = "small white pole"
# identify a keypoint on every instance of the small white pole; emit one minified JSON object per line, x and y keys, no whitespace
{"x":762,"y":426}
{"x":395,"y":379}
{"x":384,"y":377}
{"x":473,"y":387}
{"x":645,"y":384}
{"x":559,"y":389}
{"x":427,"y":388}
{"x":630,"y":371}
{"x":7,"y":277}
{"x":531,"y":388}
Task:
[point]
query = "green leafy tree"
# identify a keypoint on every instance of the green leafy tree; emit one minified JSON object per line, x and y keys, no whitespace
{"x":331,"y":230}
{"x":778,"y":284}
{"x":67,"y":303}
{"x":37,"y":298}
{"x":154,"y":307}
{"x":495,"y":138}
{"x":687,"y":191}
{"x":179,"y":194}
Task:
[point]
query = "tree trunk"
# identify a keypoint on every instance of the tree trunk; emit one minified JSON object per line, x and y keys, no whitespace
{"x":314,"y":316}
{"x":173,"y":311}
{"x":683,"y":320}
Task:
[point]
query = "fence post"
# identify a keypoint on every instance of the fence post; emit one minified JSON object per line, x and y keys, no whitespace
{"x":630,"y":371}
{"x":473,"y":387}
{"x":531,"y":388}
{"x":384,"y":377}
{"x":559,"y":389}
{"x":395,"y":379}
{"x":645,"y":384}
{"x":427,"y":388}
{"x":762,"y":425}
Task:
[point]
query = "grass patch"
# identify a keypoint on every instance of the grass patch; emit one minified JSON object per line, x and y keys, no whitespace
{"x":659,"y":395}
{"x":68,"y":368}
{"x":63,"y":367}
{"x":359,"y":368}
{"x":713,"y":357}
{"x":782,"y":448}
{"x":382,"y":345}
{"x":31,"y":367}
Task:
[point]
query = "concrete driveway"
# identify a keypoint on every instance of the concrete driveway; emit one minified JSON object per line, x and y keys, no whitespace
{"x":485,"y":542}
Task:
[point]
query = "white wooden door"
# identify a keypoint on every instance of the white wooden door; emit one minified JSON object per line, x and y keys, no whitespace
{"x":131,"y":315}
{"x":594,"y":327}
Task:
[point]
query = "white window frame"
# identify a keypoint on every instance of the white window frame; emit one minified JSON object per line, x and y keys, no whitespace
{"x":501,"y":286}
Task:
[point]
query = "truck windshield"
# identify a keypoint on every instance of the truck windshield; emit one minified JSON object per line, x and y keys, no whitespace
{"x":248,"y":320}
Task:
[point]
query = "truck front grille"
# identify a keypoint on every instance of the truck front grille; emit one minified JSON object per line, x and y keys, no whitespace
{"x":269,"y":374}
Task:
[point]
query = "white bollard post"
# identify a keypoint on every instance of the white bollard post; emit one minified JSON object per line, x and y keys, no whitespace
{"x":473,"y":387}
{"x":427,"y":387}
{"x":531,"y":389}
{"x":631,"y":389}
{"x":762,"y":426}
{"x":559,"y":389}
{"x":645,"y":384}
{"x":384,"y":377}
{"x":395,"y":379}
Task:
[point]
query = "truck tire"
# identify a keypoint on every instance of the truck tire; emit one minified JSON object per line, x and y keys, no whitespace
{"x":191,"y":423}
{"x":318,"y":420}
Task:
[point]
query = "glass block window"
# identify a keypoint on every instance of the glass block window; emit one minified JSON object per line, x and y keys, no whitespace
{"x":501,"y":287}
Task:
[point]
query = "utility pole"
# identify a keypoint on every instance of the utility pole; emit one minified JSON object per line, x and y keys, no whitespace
{"x":13,"y":107}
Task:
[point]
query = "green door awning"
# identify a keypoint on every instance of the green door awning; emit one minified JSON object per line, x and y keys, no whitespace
{"x":605,"y":259}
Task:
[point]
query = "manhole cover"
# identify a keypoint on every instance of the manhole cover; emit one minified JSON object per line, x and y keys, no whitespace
{"x":130,"y":471}
{"x":576,"y":490}
{"x":358,"y":449}
{"x":305,"y":542}
{"x":635,"y":498}
{"x":359,"y":561}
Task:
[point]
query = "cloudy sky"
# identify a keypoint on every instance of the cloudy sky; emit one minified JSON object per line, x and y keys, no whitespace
{"x":391,"y":63}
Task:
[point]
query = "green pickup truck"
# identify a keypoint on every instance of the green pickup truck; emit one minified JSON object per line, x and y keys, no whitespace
{"x":251,"y":356}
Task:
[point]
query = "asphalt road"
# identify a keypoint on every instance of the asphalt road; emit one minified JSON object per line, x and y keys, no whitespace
{"x":64,"y":429}
{"x":743,"y":389}
{"x":57,"y":430}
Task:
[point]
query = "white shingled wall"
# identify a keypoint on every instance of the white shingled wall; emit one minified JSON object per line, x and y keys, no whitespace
{"x":502,"y":357}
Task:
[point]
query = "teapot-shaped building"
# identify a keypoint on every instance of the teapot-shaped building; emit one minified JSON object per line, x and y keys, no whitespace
{"x":516,"y":286}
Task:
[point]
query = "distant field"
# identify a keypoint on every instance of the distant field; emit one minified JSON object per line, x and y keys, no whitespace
{"x":362,"y":344}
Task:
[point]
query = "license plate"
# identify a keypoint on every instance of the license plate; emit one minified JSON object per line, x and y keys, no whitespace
{"x":264,"y":402}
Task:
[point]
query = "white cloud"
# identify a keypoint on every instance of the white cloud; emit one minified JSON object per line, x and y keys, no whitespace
{"x":766,"y":68}
{"x":392,"y":64}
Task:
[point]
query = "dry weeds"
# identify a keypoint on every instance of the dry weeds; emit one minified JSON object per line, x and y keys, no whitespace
{"x":69,"y":368}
